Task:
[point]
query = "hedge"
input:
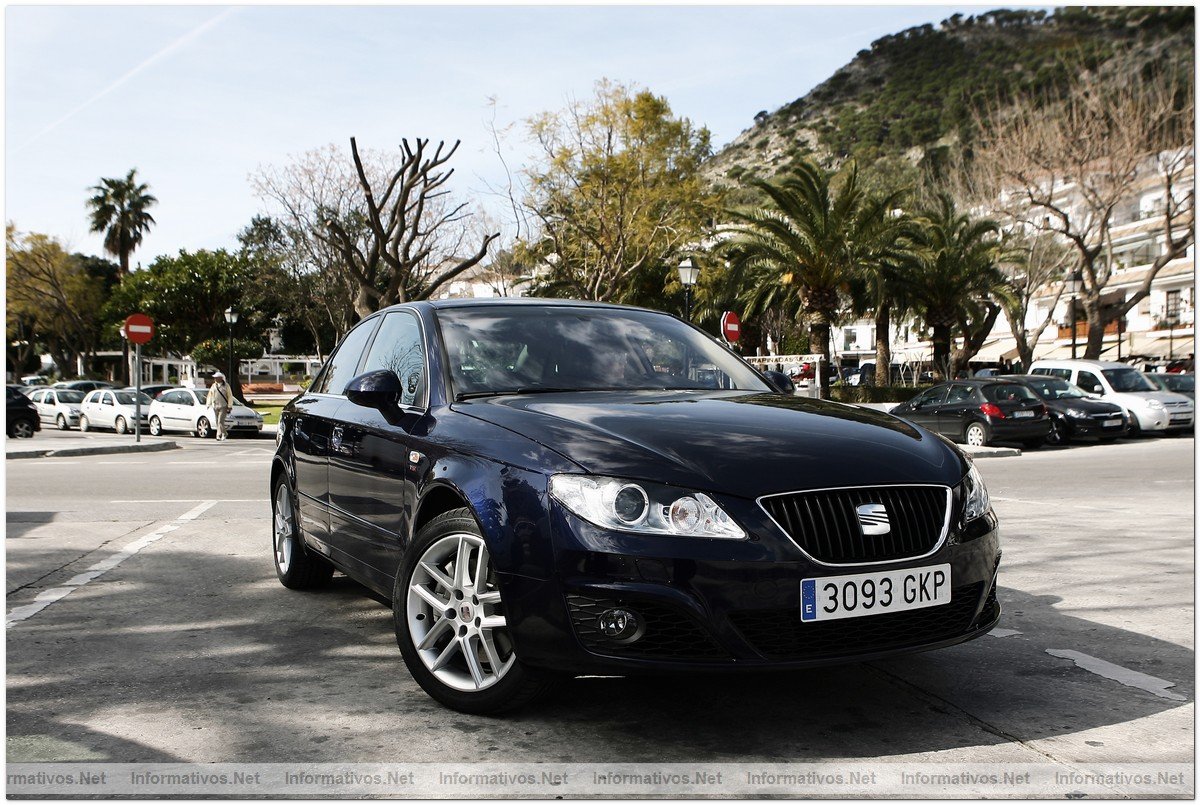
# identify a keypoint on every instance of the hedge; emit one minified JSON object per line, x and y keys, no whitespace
{"x":874,"y":394}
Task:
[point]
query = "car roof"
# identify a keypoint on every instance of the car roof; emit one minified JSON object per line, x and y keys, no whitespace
{"x":516,"y":301}
{"x":1083,"y":363}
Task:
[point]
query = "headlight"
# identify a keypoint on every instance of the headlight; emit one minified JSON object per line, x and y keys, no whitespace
{"x":975,"y":496}
{"x":1154,"y":403}
{"x":643,"y":508}
{"x":1076,"y":413}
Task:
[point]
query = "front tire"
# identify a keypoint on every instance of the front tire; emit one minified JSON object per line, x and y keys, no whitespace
{"x":120,"y":427}
{"x":1135,"y":427}
{"x":22,"y":429}
{"x":297,"y":567}
{"x":84,"y":424}
{"x":1058,"y":433}
{"x":451,"y":625}
{"x":203,"y":429}
{"x":155,"y":426}
{"x":976,"y":435}
{"x":61,"y":422}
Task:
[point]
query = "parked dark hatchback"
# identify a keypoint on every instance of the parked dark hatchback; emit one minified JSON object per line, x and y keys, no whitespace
{"x":980,"y":411}
{"x":545,"y":489}
{"x":1073,"y":414}
{"x":21,"y":418}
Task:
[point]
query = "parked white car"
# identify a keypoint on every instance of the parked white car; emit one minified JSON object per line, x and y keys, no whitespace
{"x":1148,"y":408}
{"x":116,"y":410}
{"x":186,"y":410}
{"x":60,"y":406}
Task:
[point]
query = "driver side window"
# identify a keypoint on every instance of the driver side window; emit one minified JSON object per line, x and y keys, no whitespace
{"x":399,"y":347}
{"x":1090,"y":383}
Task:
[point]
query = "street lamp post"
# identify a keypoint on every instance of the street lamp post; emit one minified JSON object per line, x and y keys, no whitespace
{"x":231,"y":317}
{"x":1076,"y":281}
{"x":688,"y":274}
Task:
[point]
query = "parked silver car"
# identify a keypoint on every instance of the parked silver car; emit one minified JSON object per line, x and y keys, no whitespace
{"x":60,"y":406}
{"x":116,"y":410}
{"x":187,"y":410}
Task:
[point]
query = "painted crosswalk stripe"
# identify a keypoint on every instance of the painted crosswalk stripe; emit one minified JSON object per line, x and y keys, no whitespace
{"x":48,"y":597}
{"x":1117,"y":673}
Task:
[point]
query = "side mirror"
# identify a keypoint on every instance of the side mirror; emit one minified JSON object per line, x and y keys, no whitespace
{"x":380,"y":390}
{"x":780,"y":382}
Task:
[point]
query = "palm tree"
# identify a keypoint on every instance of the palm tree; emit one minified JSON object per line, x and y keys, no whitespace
{"x":803,"y":250}
{"x":119,"y":209}
{"x":958,"y":281}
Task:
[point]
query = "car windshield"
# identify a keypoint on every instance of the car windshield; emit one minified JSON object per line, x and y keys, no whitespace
{"x":1008,"y":392}
{"x":69,"y":396}
{"x":1053,"y":388}
{"x":1127,"y":380}
{"x":1180,"y":382}
{"x":130,"y":398}
{"x":525,"y":349}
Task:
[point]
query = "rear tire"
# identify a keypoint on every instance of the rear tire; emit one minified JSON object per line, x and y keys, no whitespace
{"x":203,"y":429}
{"x":297,"y":567}
{"x":976,"y":435}
{"x":429,"y":573}
{"x":21,"y":429}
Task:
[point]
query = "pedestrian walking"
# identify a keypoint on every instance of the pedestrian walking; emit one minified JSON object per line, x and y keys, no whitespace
{"x":220,"y":399}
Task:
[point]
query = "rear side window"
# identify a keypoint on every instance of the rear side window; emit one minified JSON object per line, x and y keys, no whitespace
{"x":399,"y":347}
{"x":1009,"y":392}
{"x":343,"y":366}
{"x":37,"y":397}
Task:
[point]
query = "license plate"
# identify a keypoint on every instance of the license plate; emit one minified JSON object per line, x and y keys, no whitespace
{"x":1112,"y":423}
{"x":1022,"y":414}
{"x":834,"y":597}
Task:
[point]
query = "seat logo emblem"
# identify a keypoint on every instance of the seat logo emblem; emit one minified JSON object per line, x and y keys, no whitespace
{"x":873,"y":519}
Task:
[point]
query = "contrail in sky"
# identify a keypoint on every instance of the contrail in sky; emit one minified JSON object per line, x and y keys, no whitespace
{"x":190,"y":36}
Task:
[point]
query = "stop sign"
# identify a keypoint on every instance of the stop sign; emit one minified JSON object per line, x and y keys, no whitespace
{"x":138,"y":328}
{"x":731,"y":326}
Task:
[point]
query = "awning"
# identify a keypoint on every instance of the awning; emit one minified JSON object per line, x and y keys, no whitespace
{"x":992,"y":351}
{"x":1161,"y":347}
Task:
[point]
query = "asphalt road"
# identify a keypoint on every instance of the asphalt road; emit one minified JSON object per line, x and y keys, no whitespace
{"x":189,"y":650}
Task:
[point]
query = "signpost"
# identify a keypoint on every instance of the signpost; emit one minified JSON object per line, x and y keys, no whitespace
{"x":138,"y":329}
{"x":731,"y":326}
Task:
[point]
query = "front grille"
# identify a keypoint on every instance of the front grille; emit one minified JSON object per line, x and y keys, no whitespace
{"x":779,"y":634}
{"x":669,"y":634}
{"x":825,"y":524}
{"x":1179,"y":404}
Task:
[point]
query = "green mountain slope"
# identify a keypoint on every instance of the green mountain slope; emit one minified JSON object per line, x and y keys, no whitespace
{"x":901,"y":102}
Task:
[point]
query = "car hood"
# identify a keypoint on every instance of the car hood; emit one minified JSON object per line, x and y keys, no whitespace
{"x":1143,"y":397}
{"x":1084,"y":404}
{"x":741,"y":443}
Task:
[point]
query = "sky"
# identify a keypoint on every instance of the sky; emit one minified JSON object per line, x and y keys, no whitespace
{"x":198,"y":98}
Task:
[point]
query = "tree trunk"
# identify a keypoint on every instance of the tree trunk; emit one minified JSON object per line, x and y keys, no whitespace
{"x":883,"y":344}
{"x":818,"y":338}
{"x":1095,"y":335}
{"x":941,"y":351}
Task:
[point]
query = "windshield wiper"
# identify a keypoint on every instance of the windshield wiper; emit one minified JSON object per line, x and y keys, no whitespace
{"x":471,"y":395}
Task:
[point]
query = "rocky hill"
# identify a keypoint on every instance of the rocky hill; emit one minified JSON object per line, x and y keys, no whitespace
{"x":900,"y":104}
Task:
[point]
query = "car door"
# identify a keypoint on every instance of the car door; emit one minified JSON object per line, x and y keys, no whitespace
{"x":924,"y":408}
{"x":310,"y":422}
{"x":371,"y":493}
{"x":106,"y":412}
{"x":174,"y":410}
{"x":961,"y":406}
{"x":44,"y":407}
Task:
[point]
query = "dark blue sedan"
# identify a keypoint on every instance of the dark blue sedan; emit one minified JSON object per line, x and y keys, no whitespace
{"x":545,"y":489}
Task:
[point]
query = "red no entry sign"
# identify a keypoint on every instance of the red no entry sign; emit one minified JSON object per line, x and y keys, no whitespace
{"x":138,"y":328}
{"x":731,"y":326}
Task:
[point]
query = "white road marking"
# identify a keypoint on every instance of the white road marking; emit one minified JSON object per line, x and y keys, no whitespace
{"x":1004,"y":632}
{"x":121,"y":462}
{"x":48,"y":597}
{"x":1126,"y":676}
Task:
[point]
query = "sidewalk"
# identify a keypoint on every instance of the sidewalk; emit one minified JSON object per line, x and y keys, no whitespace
{"x":58,"y":443}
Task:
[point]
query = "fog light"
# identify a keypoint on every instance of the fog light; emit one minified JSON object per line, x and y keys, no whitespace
{"x":620,"y":625}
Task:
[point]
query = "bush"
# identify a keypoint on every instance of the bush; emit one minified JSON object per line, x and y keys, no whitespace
{"x":874,"y":394}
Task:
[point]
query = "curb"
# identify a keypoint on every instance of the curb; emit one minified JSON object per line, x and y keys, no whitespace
{"x":150,"y":447}
{"x":989,"y":452}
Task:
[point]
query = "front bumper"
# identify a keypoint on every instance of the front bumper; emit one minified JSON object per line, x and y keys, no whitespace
{"x":1165,"y":419}
{"x":1009,"y":429}
{"x":719,"y":614}
{"x":1095,"y":427}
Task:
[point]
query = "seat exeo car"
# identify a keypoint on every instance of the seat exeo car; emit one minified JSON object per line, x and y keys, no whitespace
{"x":545,"y":489}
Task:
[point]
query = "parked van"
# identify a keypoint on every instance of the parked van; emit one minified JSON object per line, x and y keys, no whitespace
{"x":1148,"y":408}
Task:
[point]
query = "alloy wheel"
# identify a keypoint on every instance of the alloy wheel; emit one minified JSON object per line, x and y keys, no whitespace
{"x":976,"y":436}
{"x":202,"y":428}
{"x":22,"y":429}
{"x":455,"y":616}
{"x":119,"y":426}
{"x":62,"y":423}
{"x":285,"y":528}
{"x":1057,"y":433}
{"x":155,"y":426}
